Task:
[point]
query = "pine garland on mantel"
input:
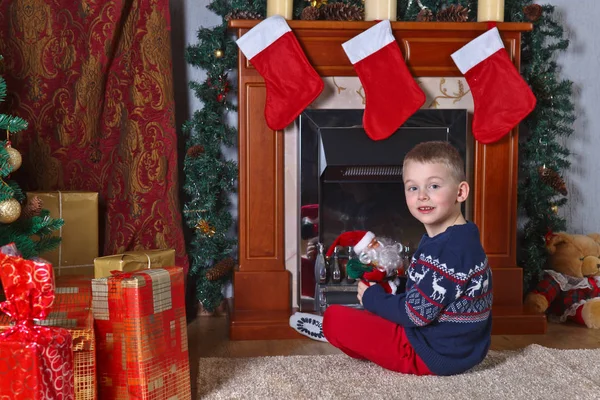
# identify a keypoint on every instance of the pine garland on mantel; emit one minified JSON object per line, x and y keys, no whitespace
{"x":209,"y":179}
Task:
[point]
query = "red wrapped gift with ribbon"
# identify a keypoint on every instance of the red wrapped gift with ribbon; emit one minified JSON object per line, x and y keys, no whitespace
{"x":36,"y":362}
{"x":141,"y":335}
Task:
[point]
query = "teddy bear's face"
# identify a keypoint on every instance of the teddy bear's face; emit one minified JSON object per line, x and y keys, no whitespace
{"x":574,"y":255}
{"x":567,"y":259}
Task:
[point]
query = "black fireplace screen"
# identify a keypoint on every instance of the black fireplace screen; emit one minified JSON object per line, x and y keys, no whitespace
{"x":350,"y":182}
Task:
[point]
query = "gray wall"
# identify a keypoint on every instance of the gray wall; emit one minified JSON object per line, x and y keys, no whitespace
{"x":578,"y":63}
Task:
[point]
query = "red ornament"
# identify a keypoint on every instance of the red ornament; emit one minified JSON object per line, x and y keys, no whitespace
{"x":548,"y":236}
{"x":220,"y":98}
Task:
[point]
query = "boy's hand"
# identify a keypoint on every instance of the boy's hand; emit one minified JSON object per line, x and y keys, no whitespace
{"x":362,"y":286}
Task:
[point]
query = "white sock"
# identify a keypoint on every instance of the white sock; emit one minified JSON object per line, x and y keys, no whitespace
{"x":309,"y":325}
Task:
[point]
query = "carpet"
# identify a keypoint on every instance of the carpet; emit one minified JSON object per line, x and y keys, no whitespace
{"x":534,"y":372}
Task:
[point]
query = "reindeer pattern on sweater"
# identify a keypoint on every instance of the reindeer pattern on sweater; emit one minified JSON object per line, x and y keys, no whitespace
{"x":435,"y":290}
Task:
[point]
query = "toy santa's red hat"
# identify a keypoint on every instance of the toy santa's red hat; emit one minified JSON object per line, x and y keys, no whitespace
{"x":350,"y":238}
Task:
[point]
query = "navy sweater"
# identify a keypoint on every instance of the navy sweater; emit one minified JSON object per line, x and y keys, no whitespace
{"x":446,"y":308}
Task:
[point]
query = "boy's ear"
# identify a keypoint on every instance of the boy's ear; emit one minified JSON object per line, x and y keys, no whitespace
{"x":463,"y":192}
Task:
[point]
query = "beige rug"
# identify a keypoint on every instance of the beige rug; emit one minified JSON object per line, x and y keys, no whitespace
{"x":535,"y":372}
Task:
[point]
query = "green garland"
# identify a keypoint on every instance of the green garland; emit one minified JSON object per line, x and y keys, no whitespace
{"x":210,"y":179}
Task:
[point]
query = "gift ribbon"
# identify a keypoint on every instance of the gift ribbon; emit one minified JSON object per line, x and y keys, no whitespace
{"x":60,"y":230}
{"x":131,"y":255}
{"x":29,"y":289}
{"x":126,"y":275}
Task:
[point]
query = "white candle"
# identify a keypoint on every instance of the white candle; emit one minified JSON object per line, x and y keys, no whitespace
{"x":490,"y":10}
{"x":380,"y":10}
{"x":280,"y":7}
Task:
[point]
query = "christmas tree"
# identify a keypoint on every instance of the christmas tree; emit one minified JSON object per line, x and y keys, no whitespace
{"x":29,"y":227}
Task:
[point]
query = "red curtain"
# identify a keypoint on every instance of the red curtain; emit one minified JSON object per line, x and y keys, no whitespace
{"x":93,"y":79}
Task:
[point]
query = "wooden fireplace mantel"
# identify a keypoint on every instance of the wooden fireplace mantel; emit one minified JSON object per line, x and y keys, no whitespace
{"x":262,"y":300}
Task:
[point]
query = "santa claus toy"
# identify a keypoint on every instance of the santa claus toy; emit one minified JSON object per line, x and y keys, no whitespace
{"x":379,"y":259}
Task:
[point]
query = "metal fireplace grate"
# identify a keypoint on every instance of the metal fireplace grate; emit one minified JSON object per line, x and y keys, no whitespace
{"x":376,"y":171}
{"x":361,"y":173}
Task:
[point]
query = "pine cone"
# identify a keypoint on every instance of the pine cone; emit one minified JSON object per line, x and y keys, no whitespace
{"x":532,"y":12}
{"x":221,"y":269}
{"x":551,"y":178}
{"x":242,"y":14}
{"x":311,"y":14}
{"x":425,"y":15}
{"x":33,"y":208}
{"x":195,"y":151}
{"x":453,"y":13}
{"x":342,"y":12}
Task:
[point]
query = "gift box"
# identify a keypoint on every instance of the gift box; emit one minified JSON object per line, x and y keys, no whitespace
{"x":79,"y":245}
{"x":72,"y":310}
{"x":133,"y":261}
{"x":141,"y":335}
{"x":37,"y":361}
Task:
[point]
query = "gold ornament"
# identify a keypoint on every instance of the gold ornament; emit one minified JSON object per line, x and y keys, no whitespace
{"x":206,"y":228}
{"x":318,"y":3}
{"x":218,"y":53}
{"x":10,"y":211}
{"x":554,"y":209}
{"x":14,"y":158}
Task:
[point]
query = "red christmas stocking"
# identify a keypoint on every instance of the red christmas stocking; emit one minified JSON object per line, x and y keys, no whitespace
{"x":292,"y":83}
{"x":391,"y":93}
{"x":501,"y":96}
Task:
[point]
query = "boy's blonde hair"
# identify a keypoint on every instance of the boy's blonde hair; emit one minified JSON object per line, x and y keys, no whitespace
{"x":438,"y":152}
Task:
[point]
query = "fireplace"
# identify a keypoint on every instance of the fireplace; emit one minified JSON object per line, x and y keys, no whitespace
{"x":263,"y":286}
{"x":349,"y":182}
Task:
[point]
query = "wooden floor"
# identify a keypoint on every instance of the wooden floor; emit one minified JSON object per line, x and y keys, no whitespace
{"x":208,"y":337}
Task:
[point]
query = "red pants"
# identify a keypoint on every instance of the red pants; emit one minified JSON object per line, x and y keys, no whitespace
{"x":363,"y":335}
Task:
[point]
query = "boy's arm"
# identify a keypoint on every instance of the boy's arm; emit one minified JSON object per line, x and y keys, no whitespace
{"x":420,"y":305}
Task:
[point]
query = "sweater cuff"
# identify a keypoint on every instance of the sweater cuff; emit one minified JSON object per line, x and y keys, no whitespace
{"x":370,"y":294}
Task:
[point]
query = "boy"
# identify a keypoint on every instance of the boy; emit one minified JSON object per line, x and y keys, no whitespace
{"x":441,"y":324}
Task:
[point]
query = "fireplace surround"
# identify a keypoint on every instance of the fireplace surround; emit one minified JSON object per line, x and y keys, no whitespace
{"x":262,"y":300}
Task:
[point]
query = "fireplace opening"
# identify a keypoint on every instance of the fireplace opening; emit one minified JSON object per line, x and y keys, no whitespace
{"x":349,"y":182}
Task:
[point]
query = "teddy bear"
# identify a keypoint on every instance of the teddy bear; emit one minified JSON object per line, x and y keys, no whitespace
{"x":570,"y":288}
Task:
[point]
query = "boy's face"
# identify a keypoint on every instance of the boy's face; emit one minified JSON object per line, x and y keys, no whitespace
{"x":433,"y":196}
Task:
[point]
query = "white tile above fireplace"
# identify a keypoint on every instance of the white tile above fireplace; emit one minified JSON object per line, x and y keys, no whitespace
{"x":348,"y":93}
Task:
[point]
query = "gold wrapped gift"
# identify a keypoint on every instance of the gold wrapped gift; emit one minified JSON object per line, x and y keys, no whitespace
{"x":133,"y":261}
{"x":79,"y":245}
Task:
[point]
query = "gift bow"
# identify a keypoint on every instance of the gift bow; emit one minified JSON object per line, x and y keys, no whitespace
{"x":29,"y":289}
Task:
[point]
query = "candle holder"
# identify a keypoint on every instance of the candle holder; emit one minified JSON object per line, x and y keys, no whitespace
{"x":280,"y":7}
{"x":376,"y":10}
{"x":490,"y":10}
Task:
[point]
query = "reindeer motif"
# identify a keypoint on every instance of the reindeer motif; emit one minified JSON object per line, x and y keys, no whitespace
{"x":472,"y":289}
{"x":418,"y":277}
{"x":439,"y":292}
{"x":415,"y":276}
{"x":486,"y":283}
{"x":458,"y":292}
